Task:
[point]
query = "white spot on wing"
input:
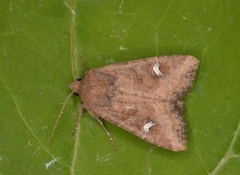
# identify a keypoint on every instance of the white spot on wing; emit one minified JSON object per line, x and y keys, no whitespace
{"x":147,"y":126}
{"x":156,"y":70}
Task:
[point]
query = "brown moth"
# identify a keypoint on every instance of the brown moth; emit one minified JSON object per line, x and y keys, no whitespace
{"x":142,"y":97}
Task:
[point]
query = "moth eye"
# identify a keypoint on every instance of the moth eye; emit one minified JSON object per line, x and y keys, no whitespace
{"x":79,"y":79}
{"x":76,"y":94}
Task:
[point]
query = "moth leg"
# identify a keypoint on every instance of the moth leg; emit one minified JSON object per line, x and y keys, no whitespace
{"x":99,"y":119}
{"x":80,"y":110}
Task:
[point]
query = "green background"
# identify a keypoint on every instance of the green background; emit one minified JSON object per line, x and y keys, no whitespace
{"x":38,"y":40}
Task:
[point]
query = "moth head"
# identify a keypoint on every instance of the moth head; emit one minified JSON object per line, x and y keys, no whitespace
{"x":75,"y":86}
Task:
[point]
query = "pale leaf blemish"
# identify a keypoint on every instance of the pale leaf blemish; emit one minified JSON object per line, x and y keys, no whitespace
{"x":149,"y":170}
{"x":103,"y":159}
{"x":156,"y":70}
{"x":122,"y":48}
{"x":120,"y":7}
{"x":34,"y":153}
{"x":209,"y":29}
{"x":117,"y":36}
{"x":147,"y":126}
{"x":184,"y":17}
{"x":50,"y":163}
{"x":10,"y":7}
{"x":110,"y":60}
{"x":44,"y":127}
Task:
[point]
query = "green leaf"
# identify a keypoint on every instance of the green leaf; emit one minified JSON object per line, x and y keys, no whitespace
{"x":38,"y":40}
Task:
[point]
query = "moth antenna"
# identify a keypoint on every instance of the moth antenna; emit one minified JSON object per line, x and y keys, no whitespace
{"x":72,"y":61}
{"x":108,"y":133}
{"x":58,"y":117}
{"x":78,"y":120}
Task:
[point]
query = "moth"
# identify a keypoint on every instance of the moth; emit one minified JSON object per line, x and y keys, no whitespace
{"x":142,"y":97}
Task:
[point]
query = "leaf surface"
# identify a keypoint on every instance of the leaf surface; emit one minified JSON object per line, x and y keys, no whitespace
{"x":38,"y":40}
